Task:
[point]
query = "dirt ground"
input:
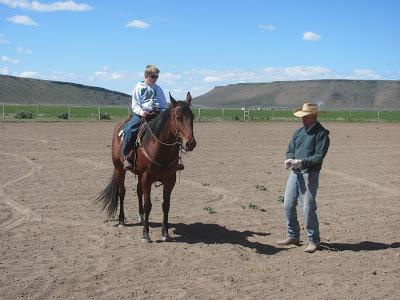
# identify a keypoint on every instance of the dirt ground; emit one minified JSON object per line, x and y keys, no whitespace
{"x":55,"y":243}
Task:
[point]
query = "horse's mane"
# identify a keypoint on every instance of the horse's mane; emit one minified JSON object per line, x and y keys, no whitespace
{"x":156,"y":125}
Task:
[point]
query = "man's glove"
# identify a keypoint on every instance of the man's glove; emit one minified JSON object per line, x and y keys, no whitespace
{"x":288,"y":163}
{"x":297,"y":164}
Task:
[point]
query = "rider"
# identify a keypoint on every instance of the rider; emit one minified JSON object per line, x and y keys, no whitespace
{"x":147,"y":99}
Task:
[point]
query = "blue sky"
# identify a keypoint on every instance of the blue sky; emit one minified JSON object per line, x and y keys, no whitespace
{"x":199,"y":44}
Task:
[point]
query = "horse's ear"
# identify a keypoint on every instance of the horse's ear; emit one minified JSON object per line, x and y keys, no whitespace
{"x":173,"y":101}
{"x":188,"y":98}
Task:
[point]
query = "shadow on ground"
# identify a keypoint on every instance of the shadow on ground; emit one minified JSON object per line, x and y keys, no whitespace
{"x":361,"y":246}
{"x":217,"y":234}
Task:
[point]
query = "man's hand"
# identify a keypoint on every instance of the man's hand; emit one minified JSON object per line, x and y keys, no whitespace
{"x":149,"y":115}
{"x":288,"y":163}
{"x":297,"y":164}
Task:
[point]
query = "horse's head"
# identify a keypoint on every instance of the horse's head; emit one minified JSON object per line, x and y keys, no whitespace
{"x":182,"y":116}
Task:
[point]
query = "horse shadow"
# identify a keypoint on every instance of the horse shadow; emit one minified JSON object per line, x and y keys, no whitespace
{"x":216,"y":234}
{"x":361,"y":246}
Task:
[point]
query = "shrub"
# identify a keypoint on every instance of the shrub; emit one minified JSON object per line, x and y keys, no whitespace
{"x":23,"y":115}
{"x":105,"y":116}
{"x":236,"y":118}
{"x":63,"y":115}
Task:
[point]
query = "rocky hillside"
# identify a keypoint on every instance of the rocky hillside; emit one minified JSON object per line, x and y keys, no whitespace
{"x":332,"y":93}
{"x":26,"y":90}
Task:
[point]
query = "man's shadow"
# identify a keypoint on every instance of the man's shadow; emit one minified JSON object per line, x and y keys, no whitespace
{"x":361,"y":246}
{"x":217,"y":234}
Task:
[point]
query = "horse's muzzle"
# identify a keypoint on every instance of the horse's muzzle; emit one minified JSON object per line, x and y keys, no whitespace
{"x":189,"y":145}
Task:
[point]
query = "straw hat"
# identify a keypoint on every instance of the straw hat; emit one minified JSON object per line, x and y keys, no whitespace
{"x":307,"y":109}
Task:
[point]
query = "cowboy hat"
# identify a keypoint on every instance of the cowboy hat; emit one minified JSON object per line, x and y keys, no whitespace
{"x":307,"y":109}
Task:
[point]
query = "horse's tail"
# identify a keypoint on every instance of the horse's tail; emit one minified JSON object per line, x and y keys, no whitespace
{"x":108,"y":198}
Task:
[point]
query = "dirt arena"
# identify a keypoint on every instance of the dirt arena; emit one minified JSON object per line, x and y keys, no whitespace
{"x":55,"y":243}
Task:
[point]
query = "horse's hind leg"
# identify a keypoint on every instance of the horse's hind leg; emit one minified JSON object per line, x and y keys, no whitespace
{"x":121,"y":192}
{"x":140,"y":200}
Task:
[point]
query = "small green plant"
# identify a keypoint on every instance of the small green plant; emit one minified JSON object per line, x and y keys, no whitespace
{"x":256,"y":207}
{"x":63,"y":115}
{"x":210,"y":210}
{"x":105,"y":116}
{"x":23,"y":115}
{"x":236,"y":118}
{"x":260,"y":187}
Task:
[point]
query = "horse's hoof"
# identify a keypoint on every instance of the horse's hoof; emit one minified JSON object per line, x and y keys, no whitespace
{"x":145,"y":241}
{"x":120,"y":225}
{"x":141,"y":218}
{"x":166,"y":238}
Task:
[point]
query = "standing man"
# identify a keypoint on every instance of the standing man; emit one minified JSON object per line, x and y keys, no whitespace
{"x":147,"y":99}
{"x":304,"y":156}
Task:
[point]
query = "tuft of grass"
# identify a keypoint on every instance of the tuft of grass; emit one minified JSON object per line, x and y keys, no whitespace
{"x":210,"y":210}
{"x":105,"y":116}
{"x":24,"y":115}
{"x":260,"y":187}
{"x":256,"y":207}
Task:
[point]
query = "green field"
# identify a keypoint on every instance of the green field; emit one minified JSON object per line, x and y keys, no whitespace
{"x":53,"y":112}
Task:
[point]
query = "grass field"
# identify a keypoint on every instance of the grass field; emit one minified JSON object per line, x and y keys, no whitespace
{"x":48,"y":112}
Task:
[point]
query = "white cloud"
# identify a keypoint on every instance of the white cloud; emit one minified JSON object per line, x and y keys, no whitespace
{"x":311,"y":36}
{"x":213,"y":79}
{"x":170,"y":78}
{"x":365,"y":74}
{"x":137,"y":24}
{"x":268,"y":27}
{"x":23,"y":20}
{"x":9,"y":60}
{"x":4,"y":71}
{"x":47,"y":7}
{"x":24,"y":50}
{"x":29,"y":74}
{"x":3,"y":40}
{"x":105,"y":74}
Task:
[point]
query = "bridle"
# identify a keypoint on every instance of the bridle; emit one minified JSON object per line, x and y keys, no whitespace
{"x":178,"y":142}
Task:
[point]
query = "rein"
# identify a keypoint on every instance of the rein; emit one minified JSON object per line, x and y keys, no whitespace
{"x":176,"y":143}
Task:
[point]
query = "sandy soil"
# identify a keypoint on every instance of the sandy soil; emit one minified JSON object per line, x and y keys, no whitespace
{"x":55,"y":243}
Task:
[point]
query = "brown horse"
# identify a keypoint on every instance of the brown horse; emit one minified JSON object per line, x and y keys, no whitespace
{"x":157,"y":155}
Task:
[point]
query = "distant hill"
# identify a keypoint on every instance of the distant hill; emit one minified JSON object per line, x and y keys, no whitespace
{"x":20,"y":90}
{"x":332,"y":93}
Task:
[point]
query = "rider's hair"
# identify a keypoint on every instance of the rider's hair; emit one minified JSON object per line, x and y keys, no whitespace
{"x":151,"y":70}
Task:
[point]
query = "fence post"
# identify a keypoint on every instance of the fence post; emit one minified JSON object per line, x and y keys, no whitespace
{"x":378,"y":115}
{"x":273,"y":114}
{"x":223,"y":114}
{"x":37,"y":110}
{"x":99,"y":112}
{"x":350,"y":114}
{"x":199,"y":113}
{"x":3,"y":113}
{"x":69,"y":112}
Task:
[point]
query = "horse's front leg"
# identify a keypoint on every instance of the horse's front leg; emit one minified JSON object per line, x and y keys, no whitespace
{"x":140,"y":200}
{"x":146,"y":189}
{"x":168,"y":186}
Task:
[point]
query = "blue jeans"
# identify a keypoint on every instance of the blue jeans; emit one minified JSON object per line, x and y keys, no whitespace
{"x":303,"y":186}
{"x":130,"y":132}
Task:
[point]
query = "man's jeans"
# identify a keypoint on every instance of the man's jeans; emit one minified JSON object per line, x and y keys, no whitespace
{"x":130,"y":132}
{"x":303,"y":186}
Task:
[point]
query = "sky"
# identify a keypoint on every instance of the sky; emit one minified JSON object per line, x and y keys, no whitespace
{"x":198,"y":45}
